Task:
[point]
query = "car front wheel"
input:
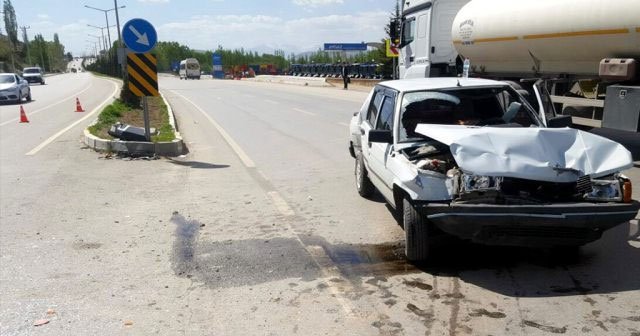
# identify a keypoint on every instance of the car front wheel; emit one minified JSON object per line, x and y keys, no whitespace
{"x":417,"y":247}
{"x":29,"y":96}
{"x":363,"y":184}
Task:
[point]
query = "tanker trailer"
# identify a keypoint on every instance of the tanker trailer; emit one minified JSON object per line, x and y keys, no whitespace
{"x":588,"y":52}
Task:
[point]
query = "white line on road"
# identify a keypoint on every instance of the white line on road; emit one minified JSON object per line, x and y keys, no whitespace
{"x":280,"y":204}
{"x":236,"y":148}
{"x":271,"y":101}
{"x":303,"y":111}
{"x":343,"y":124}
{"x":90,"y":114}
{"x":48,"y":107}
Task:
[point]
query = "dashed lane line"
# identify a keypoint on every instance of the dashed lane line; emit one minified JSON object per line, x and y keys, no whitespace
{"x":246,"y":160}
{"x":89,"y":115}
{"x":305,"y":112}
{"x":317,"y":253}
{"x":48,"y":107}
{"x":343,"y":124}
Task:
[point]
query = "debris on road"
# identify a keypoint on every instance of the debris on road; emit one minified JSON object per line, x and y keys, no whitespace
{"x":40,"y":322}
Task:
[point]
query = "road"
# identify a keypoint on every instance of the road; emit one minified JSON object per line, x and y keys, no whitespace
{"x":258,"y":230}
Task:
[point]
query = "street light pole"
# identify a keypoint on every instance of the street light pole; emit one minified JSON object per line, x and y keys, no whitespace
{"x":106,"y":17}
{"x":26,"y":42}
{"x":99,"y":41}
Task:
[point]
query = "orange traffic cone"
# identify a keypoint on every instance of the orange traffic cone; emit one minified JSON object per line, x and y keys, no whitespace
{"x":23,"y":116}
{"x":78,"y":106}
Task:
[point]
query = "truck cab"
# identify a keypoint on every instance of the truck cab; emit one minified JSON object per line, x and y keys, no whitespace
{"x":426,"y":49}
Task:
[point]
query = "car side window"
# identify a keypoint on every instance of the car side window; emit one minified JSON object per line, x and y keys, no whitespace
{"x":374,"y":108}
{"x":385,"y":121}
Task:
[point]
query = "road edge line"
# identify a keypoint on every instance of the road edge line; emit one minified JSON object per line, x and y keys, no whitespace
{"x":90,"y":114}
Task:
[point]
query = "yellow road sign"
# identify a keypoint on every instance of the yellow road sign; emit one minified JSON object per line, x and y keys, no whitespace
{"x":143,"y":74}
{"x":392,"y":50}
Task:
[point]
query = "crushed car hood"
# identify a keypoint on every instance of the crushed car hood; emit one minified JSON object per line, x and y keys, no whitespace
{"x":543,"y":154}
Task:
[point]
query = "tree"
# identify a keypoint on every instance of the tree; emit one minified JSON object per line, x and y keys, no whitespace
{"x":10,"y":23}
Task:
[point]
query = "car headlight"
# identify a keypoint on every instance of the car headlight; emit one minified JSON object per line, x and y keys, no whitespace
{"x":605,"y":190}
{"x":480,"y":183}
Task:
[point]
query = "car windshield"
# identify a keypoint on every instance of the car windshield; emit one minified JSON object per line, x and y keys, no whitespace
{"x":4,"y":79}
{"x":468,"y":106}
{"x":31,"y":71}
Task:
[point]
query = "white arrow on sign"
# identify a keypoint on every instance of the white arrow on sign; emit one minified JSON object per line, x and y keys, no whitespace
{"x":142,"y":38}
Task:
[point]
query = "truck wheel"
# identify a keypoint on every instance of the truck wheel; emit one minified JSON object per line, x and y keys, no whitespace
{"x":363,"y":184}
{"x":416,"y":233}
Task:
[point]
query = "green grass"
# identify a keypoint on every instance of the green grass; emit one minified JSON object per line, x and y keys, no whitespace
{"x":109,"y":116}
{"x":166,"y":132}
{"x":118,"y":111}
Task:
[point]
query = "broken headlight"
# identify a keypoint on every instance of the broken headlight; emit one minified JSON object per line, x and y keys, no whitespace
{"x":604,"y":190}
{"x":472,"y":183}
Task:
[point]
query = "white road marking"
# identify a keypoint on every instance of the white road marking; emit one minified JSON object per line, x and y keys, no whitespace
{"x":246,"y":160}
{"x":271,"y":101}
{"x":317,"y":253}
{"x":303,"y":111}
{"x":52,"y":105}
{"x":90,"y":114}
{"x":282,"y":205}
{"x":343,"y":124}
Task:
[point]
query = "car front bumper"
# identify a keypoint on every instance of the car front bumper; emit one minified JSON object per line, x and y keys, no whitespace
{"x":36,"y":79}
{"x":9,"y":95}
{"x":529,"y":225}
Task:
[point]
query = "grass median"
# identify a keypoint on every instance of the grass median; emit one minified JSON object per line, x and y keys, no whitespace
{"x":125,"y":114}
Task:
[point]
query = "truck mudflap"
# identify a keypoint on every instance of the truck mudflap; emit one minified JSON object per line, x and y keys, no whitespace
{"x":529,"y":225}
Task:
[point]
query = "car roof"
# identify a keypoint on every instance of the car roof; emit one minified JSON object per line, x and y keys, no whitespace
{"x":414,"y":84}
{"x":32,"y":68}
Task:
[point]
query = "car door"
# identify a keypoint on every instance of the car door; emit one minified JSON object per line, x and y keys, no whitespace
{"x":379,"y":153}
{"x":368,"y":122}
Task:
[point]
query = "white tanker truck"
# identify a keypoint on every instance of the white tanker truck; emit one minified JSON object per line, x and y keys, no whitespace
{"x":587,"y":51}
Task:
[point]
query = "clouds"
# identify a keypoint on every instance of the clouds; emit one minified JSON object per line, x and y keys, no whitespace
{"x":316,"y":3}
{"x":271,"y":32}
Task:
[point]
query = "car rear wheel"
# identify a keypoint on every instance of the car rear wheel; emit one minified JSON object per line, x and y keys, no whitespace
{"x":363,"y":184}
{"x":416,"y":230}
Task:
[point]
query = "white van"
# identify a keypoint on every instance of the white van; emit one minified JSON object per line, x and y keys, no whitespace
{"x":189,"y":68}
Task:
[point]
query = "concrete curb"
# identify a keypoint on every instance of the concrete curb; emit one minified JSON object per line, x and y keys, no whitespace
{"x":292,"y":80}
{"x":173,"y":148}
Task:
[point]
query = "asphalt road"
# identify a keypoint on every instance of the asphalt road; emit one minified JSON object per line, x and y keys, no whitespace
{"x":258,"y":230}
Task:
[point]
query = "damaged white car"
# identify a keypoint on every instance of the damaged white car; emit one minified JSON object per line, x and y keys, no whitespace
{"x":472,"y":158}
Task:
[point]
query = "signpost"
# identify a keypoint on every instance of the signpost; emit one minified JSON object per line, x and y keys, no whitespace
{"x":140,"y":36}
{"x":345,"y":47}
{"x":217,"y":66}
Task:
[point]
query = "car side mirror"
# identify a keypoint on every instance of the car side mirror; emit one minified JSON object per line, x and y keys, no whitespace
{"x":381,"y":136}
{"x":560,"y":121}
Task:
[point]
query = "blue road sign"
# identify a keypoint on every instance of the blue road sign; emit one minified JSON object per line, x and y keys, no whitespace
{"x":345,"y":46}
{"x":139,"y":35}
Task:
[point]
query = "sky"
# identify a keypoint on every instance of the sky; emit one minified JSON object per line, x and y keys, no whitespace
{"x":294,"y":26}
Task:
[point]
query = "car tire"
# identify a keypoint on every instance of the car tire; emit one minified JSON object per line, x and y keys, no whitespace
{"x":42,"y":83}
{"x":363,"y":183}
{"x":29,"y":96}
{"x":416,"y":231}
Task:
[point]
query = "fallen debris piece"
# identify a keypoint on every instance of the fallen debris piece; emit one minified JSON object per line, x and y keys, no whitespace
{"x":40,"y":322}
{"x":128,"y":323}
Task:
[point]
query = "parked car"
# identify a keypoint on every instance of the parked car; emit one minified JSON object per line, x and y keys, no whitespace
{"x":13,"y":88}
{"x":472,"y":158}
{"x":33,"y":75}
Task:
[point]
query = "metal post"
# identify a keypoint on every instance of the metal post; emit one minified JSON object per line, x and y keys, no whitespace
{"x":26,"y":42}
{"x":106,"y":17}
{"x":145,"y":108}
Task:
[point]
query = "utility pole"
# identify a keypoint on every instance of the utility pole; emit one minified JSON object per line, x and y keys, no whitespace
{"x":26,"y":42}
{"x":106,"y":17}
